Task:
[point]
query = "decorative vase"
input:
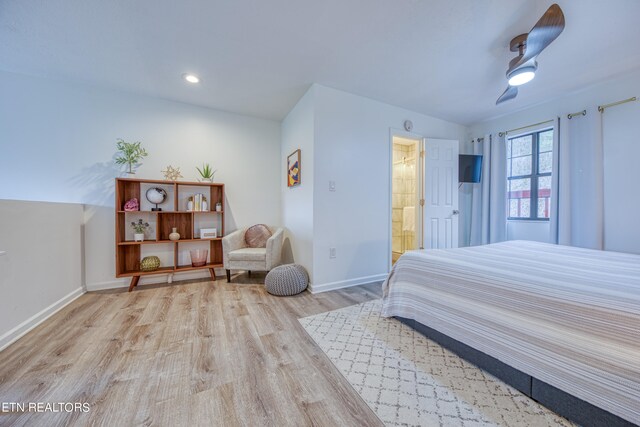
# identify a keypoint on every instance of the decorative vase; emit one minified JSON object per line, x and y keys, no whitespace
{"x":190,"y":205}
{"x":205,"y":206}
{"x":174,"y":234}
{"x":198,"y":257}
{"x":150,"y":263}
{"x":218,"y":207}
{"x":138,"y":237}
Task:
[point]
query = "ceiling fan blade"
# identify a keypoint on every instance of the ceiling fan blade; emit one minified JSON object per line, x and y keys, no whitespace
{"x":510,"y":93}
{"x":546,"y":30}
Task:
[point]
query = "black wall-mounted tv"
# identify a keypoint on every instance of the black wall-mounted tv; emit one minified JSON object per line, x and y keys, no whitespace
{"x":470,"y":168}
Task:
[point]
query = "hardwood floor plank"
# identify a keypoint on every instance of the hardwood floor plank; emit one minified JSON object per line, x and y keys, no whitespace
{"x":192,"y":353}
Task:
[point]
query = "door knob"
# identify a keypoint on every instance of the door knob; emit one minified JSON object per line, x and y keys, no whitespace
{"x":456,"y":212}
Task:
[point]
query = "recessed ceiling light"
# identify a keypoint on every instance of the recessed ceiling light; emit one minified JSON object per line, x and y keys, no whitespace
{"x":522,"y":76}
{"x":191,"y":78}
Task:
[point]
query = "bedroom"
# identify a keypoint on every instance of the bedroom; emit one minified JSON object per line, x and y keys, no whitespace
{"x":336,"y":81}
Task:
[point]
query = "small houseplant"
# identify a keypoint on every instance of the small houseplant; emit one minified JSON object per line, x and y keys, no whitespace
{"x":206,"y":172}
{"x":139,"y":227}
{"x":130,"y":154}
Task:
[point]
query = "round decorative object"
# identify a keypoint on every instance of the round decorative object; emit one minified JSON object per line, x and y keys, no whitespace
{"x":156,"y":195}
{"x":256,"y":236}
{"x":150,"y":263}
{"x":288,"y":279}
{"x":408,"y":125}
{"x":174,"y":235}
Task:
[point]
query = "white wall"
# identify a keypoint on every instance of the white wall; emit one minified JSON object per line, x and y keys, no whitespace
{"x":352,"y":137}
{"x":297,"y":202}
{"x":621,"y":130}
{"x":57,"y":141}
{"x":620,"y":135}
{"x":41,"y":270}
{"x":528,"y":230}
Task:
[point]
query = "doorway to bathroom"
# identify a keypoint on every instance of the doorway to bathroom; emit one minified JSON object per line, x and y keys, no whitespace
{"x":405,"y":191}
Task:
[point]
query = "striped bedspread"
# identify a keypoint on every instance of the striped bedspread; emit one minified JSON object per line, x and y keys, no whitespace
{"x":567,"y":316}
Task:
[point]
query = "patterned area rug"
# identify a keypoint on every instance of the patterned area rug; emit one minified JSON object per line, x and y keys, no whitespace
{"x":409,"y":380}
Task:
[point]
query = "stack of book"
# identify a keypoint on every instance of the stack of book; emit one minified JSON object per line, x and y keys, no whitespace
{"x":200,"y":202}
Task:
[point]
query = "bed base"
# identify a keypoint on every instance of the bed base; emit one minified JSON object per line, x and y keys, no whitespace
{"x":560,"y":402}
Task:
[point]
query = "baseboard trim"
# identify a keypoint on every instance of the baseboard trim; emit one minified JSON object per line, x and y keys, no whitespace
{"x":150,"y":280}
{"x":16,"y":333}
{"x":332,"y":286}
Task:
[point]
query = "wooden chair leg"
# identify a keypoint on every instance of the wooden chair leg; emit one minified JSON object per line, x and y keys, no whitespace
{"x":228,"y":276}
{"x":134,"y":282}
{"x":249,"y":271}
{"x":213,"y":273}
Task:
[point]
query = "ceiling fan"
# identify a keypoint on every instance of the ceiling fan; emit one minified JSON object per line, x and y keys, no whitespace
{"x":523,"y":67}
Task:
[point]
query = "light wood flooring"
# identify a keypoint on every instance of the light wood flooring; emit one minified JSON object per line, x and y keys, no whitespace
{"x":199,"y":353}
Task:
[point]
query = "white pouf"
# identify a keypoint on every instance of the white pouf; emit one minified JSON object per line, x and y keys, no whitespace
{"x":288,"y":279}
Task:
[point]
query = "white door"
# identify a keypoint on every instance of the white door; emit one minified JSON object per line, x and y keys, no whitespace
{"x":440,"y":186}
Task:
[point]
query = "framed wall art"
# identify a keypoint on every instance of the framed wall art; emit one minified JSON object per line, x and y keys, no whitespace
{"x":293,"y":169}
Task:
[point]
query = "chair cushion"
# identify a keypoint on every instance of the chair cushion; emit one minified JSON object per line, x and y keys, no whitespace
{"x":288,"y":279}
{"x":248,"y":254}
{"x":257,"y":236}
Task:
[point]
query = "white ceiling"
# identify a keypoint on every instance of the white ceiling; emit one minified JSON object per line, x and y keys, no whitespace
{"x":443,"y":58}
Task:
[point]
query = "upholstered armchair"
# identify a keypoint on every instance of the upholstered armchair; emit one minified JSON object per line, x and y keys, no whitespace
{"x":238,"y":256}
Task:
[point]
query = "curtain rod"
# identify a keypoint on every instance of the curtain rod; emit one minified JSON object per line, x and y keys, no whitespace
{"x":572,"y":115}
{"x":525,"y":127}
{"x":477,"y":139}
{"x":601,"y":108}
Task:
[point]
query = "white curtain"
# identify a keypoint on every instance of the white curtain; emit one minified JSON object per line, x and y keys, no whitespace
{"x":488,"y":200}
{"x":577,"y":199}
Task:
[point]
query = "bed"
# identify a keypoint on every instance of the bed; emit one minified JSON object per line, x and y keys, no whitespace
{"x":559,"y":323}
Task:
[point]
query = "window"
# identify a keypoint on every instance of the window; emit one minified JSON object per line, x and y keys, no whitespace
{"x":529,"y":161}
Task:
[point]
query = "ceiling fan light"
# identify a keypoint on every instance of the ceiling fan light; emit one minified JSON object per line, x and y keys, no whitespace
{"x":521,"y":76}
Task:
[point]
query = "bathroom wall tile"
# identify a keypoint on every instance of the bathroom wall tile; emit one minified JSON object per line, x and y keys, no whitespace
{"x":396,"y":200}
{"x":396,"y":228}
{"x":409,"y":242}
{"x":397,"y":184}
{"x":396,"y":244}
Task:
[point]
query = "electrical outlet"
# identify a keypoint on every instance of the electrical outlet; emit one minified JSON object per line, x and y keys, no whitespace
{"x":332,"y":186}
{"x":332,"y":252}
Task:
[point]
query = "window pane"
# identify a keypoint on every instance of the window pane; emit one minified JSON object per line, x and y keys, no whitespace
{"x":544,"y":186}
{"x":521,"y":146}
{"x":544,"y":207}
{"x":545,"y":141}
{"x":521,"y":166}
{"x":520,"y":208}
{"x":544,"y":196}
{"x":544,"y":162}
{"x":513,"y":208}
{"x":519,"y":194}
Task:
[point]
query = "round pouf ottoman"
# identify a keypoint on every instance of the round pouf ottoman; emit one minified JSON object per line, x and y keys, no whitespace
{"x":288,"y":279}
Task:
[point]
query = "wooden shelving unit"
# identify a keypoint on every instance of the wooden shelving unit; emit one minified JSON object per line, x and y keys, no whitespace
{"x":173,"y":214}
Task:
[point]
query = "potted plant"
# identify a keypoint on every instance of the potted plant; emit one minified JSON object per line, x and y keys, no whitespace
{"x":139,"y":227}
{"x":130,"y":154}
{"x":206,"y":172}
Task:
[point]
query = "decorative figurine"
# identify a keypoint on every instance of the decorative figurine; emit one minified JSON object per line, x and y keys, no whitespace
{"x":172,"y":173}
